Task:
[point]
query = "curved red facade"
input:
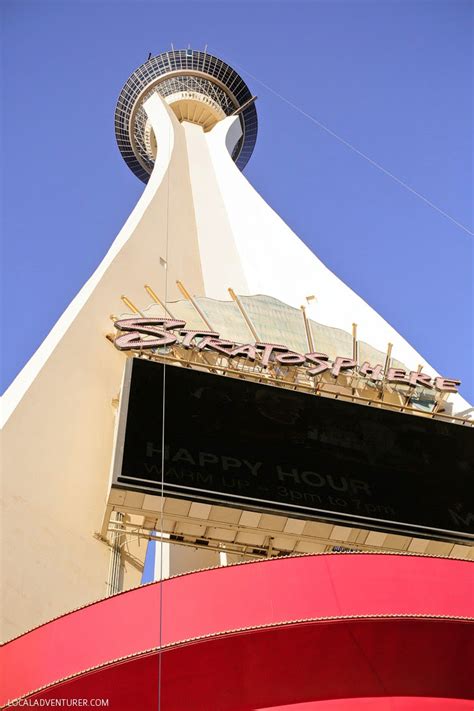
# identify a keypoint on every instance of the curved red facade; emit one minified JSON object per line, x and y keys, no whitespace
{"x":304,"y":630}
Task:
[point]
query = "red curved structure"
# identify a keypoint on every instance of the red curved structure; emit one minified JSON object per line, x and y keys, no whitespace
{"x":301,"y":632}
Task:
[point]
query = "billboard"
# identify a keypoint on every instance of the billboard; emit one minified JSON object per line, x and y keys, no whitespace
{"x":229,"y":441}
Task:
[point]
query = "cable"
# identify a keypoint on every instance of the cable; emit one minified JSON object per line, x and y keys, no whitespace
{"x":356,"y":150}
{"x":163,"y":415}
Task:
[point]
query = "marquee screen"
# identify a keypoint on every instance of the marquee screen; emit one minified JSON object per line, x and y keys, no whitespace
{"x":238,"y":443}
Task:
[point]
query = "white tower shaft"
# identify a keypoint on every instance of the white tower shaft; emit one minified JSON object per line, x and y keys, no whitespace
{"x":198,"y":221}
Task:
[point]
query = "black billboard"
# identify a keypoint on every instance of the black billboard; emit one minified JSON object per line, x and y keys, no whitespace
{"x":234,"y":442}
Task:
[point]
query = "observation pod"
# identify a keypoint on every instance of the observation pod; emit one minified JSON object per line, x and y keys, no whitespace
{"x":199,"y":87}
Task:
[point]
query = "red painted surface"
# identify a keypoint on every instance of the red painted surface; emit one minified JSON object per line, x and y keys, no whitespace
{"x":282,"y":665}
{"x":389,"y":703}
{"x":297,"y":663}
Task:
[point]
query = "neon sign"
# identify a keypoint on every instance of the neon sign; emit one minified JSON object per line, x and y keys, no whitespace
{"x":151,"y":333}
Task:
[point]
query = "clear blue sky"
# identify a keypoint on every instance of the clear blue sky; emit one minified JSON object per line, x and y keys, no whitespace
{"x":392,"y":78}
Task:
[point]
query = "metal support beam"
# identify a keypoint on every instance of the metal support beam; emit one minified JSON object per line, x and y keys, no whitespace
{"x":242,"y":108}
{"x":193,"y":301}
{"x":157,"y":300}
{"x":245,"y":315}
{"x":130,"y":305}
{"x":355,"y":344}
{"x":307,"y":328}
{"x":388,"y":359}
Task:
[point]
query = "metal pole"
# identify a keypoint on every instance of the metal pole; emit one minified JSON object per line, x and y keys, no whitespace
{"x":188,"y":296}
{"x":245,"y":315}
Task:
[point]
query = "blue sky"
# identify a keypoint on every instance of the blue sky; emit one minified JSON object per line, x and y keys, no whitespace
{"x":392,"y":78}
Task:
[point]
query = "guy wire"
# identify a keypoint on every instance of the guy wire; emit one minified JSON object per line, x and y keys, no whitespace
{"x":163,"y":414}
{"x":354,"y":149}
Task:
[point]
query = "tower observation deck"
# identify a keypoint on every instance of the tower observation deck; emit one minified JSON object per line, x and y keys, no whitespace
{"x":199,"y":87}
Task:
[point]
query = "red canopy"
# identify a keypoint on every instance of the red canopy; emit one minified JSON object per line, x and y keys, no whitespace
{"x":297,"y":630}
